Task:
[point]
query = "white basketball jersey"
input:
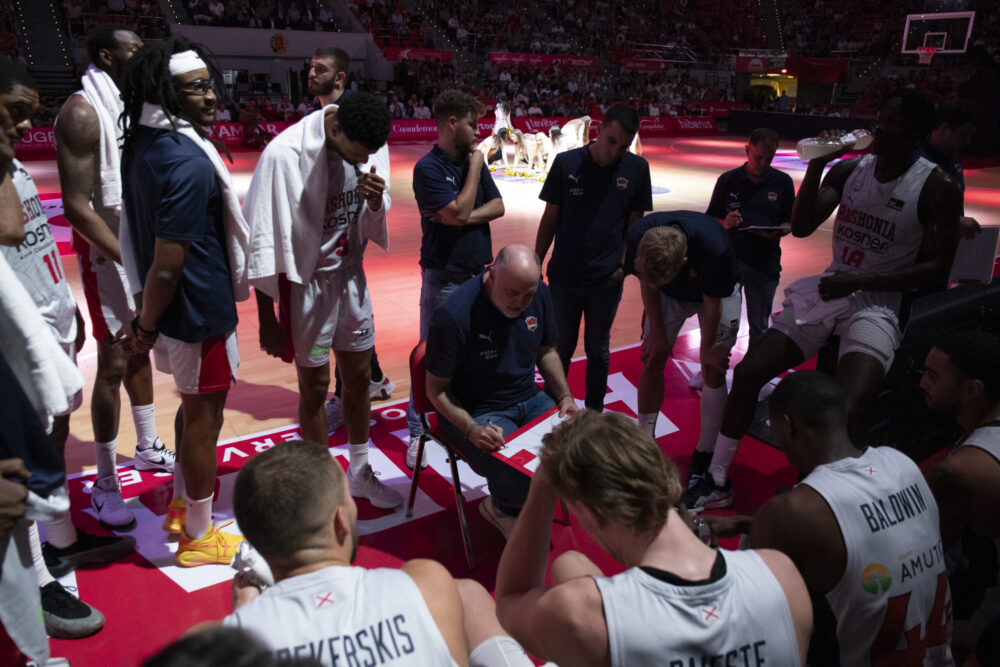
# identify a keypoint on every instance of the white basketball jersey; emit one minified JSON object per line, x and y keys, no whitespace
{"x":986,"y":438}
{"x":893,"y":605}
{"x":347,"y":616}
{"x":877,"y":229}
{"x":36,"y":262}
{"x":743,"y":618}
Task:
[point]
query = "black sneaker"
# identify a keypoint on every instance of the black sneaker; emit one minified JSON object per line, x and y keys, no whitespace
{"x":706,"y":495}
{"x":87,"y":550}
{"x":699,"y":467}
{"x":65,"y":616}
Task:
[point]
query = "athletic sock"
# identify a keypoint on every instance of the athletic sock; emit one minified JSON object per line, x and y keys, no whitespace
{"x":713,"y":405}
{"x":144,"y":417}
{"x":107,"y":456}
{"x":60,"y":531}
{"x":198,"y":519}
{"x":725,"y":451}
{"x":35,"y":544}
{"x":180,"y":491}
{"x":358,"y":456}
{"x":647,"y":422}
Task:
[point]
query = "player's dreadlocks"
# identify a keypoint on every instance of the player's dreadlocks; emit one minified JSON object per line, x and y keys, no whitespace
{"x":147,"y":79}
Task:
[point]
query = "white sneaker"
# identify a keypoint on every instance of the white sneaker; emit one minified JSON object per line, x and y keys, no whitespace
{"x":381,"y":391}
{"x":156,"y":458}
{"x":367,"y":485}
{"x":697,"y":381}
{"x":411,"y":453}
{"x":106,"y":499}
{"x":334,"y":414}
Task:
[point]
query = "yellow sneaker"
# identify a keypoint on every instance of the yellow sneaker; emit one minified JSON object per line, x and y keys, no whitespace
{"x":215,"y":547}
{"x":173,"y":523}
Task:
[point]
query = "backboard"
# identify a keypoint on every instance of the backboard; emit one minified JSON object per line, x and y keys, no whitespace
{"x":948,"y":32}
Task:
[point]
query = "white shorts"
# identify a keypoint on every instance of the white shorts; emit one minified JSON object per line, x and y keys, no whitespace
{"x":199,"y":368}
{"x":105,"y":287}
{"x":331,"y":312}
{"x":676,"y":312}
{"x":866,"y":322}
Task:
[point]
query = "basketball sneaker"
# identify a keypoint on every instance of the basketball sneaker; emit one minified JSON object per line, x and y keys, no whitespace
{"x":502,"y":522}
{"x":67,"y":617}
{"x":411,"y":453}
{"x":334,"y":414}
{"x":214,"y":547}
{"x":87,"y":550}
{"x":699,"y":467}
{"x":706,"y":495}
{"x":155,"y":459}
{"x":382,"y":390}
{"x":367,"y":485}
{"x":173,"y":523}
{"x":106,"y":500}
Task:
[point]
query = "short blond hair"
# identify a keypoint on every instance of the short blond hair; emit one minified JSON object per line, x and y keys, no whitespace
{"x":616,"y":468}
{"x":660,"y":254}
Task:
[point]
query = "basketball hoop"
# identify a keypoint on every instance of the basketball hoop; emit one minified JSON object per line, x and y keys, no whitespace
{"x":926,"y":53}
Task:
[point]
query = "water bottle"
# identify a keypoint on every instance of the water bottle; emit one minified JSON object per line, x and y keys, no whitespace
{"x":815,"y":147}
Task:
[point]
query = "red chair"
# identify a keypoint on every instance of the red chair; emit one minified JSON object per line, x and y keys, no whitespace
{"x":423,"y":406}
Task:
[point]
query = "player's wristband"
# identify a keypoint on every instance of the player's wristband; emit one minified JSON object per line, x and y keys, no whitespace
{"x":138,"y":329}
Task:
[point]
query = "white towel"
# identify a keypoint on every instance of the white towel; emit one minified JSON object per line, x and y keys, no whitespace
{"x":237,"y":229}
{"x":102,"y":94}
{"x":810,"y":308}
{"x":286,"y":201}
{"x":49,"y":378}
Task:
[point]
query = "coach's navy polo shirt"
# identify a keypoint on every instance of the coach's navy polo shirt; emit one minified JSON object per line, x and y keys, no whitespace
{"x":594,"y":205}
{"x":489,"y":357}
{"x":171,"y":193}
{"x":437,"y":180}
{"x":768,"y":203}
{"x":711,"y":263}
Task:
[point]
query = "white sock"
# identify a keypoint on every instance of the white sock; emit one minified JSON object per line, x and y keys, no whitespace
{"x":180,"y":491}
{"x":107,"y":456}
{"x":60,"y":531}
{"x":647,"y":422}
{"x":144,"y":417}
{"x":713,"y":405}
{"x":35,"y":544}
{"x":358,"y":456}
{"x":725,"y":451}
{"x":198,"y":519}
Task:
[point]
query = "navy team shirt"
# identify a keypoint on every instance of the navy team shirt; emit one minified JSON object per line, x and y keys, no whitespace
{"x":489,"y":357}
{"x":764,"y":204}
{"x":170,"y":192}
{"x":437,"y":180}
{"x":594,"y":205}
{"x":711,"y":263}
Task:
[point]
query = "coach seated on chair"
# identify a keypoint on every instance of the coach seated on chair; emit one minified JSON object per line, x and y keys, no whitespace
{"x":483,"y":345}
{"x":293,"y":505}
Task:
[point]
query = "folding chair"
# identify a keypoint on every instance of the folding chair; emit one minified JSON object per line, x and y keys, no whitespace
{"x":423,"y":406}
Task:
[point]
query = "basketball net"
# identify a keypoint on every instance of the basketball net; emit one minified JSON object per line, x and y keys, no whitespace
{"x":926,"y":53}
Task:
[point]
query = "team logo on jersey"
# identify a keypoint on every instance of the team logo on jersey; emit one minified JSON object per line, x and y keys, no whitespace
{"x":772,"y":196}
{"x":896,"y":204}
{"x":622,"y":183}
{"x":325,"y":599}
{"x":531,"y":322}
{"x":876,"y":579}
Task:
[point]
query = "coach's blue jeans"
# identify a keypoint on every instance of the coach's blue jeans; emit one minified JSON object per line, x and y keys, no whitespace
{"x":758,"y":293}
{"x":508,"y":486}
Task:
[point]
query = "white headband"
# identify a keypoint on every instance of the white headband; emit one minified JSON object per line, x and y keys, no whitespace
{"x":185,"y":61}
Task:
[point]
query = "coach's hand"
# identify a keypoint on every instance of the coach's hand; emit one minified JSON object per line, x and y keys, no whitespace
{"x":487,"y":437}
{"x":272,"y":337}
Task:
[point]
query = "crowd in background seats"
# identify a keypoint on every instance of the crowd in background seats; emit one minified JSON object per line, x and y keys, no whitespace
{"x":143,"y":17}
